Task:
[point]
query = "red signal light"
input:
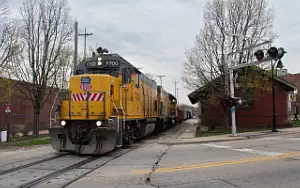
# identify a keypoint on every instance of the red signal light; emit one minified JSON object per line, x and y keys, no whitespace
{"x":224,"y":103}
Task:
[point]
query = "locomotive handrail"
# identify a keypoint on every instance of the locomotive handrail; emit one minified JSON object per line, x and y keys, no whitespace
{"x":69,"y":99}
{"x":118,"y":125}
{"x":52,"y":110}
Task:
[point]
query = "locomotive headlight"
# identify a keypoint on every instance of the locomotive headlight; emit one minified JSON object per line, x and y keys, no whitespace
{"x":99,"y":61}
{"x":98,"y":123}
{"x":63,"y":123}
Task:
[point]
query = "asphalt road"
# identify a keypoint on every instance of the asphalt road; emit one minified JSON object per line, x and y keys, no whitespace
{"x":262,"y":162}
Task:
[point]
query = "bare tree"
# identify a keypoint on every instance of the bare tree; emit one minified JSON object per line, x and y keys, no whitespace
{"x":205,"y":62}
{"x":46,"y":33}
{"x":9,"y":48}
{"x":8,"y":37}
{"x":4,"y":10}
{"x":65,"y":65}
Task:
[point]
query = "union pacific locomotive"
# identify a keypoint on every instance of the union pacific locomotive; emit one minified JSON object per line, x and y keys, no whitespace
{"x":109,"y":103}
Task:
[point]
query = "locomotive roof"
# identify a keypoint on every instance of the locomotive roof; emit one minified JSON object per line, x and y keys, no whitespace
{"x":116,"y":56}
{"x":123,"y":64}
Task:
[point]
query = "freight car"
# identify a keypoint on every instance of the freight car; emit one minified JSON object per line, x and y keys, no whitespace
{"x":184,"y":112}
{"x":109,"y":103}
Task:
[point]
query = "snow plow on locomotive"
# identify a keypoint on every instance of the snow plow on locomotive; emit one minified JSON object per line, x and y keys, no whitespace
{"x":109,"y":103}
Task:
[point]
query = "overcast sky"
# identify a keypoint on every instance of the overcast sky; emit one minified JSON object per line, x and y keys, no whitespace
{"x":153,"y":34}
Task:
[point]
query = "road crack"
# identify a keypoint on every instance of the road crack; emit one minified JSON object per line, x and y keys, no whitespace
{"x":226,"y":181}
{"x":154,"y":167}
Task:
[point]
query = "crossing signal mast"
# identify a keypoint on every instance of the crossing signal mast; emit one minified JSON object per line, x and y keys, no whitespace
{"x":273,"y":54}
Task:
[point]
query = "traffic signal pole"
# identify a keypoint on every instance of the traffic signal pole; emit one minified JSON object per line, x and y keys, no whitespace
{"x":273,"y":99}
{"x":233,"y":121}
{"x":230,"y":69}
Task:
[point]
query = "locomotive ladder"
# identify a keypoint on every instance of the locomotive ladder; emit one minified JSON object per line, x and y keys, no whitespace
{"x":55,"y":115}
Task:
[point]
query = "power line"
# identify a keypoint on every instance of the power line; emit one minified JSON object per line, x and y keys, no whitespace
{"x":85,"y":34}
{"x":76,"y":47}
{"x":160,"y":76}
{"x":177,"y":96}
{"x":175,"y":86}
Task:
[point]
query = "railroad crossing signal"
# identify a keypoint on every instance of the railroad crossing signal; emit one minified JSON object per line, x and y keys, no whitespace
{"x":273,"y":52}
{"x":259,"y":54}
{"x":228,"y":102}
{"x":232,"y":102}
{"x":224,"y":102}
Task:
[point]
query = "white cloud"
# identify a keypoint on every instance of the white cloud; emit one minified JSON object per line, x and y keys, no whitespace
{"x":153,"y":34}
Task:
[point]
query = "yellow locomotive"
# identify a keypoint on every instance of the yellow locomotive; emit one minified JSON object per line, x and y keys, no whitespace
{"x":109,"y":103}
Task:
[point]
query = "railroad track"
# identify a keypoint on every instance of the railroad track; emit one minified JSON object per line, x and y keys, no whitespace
{"x":78,"y":165}
{"x":30,"y":164}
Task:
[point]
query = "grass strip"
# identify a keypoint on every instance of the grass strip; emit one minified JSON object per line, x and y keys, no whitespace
{"x":29,"y":142}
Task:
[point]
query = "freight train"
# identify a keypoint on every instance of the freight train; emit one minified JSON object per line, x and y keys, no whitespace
{"x":110,"y":103}
{"x":184,"y":112}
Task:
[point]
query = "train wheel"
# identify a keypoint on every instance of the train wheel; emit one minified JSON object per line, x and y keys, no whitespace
{"x":129,"y":137}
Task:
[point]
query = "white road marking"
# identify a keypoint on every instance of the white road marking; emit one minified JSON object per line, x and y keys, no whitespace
{"x":246,"y":150}
{"x":281,"y":138}
{"x":294,"y":139}
{"x":217,"y":146}
{"x":270,"y":138}
{"x":258,"y":152}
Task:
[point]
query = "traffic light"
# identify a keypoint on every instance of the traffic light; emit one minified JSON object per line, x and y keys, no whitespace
{"x":272,"y":52}
{"x":281,"y":53}
{"x":228,"y":102}
{"x":231,"y":102}
{"x":259,"y":54}
{"x":224,"y":102}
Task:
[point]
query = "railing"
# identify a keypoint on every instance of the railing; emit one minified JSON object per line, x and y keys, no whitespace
{"x":82,"y":96}
{"x":52,"y":110}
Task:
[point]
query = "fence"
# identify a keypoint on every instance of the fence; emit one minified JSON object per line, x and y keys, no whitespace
{"x":23,"y":124}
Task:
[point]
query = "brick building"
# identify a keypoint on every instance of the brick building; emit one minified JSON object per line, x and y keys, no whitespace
{"x":21,"y":118}
{"x":294,"y":79}
{"x":258,"y":114}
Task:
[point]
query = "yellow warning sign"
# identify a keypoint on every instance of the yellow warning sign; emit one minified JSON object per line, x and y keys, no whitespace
{"x":292,"y":98}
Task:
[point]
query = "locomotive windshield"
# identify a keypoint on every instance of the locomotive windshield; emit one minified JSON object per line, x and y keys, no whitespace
{"x":102,"y":65}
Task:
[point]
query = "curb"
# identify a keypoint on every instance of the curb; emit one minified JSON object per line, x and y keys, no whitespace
{"x":201,"y":141}
{"x":270,"y":135}
{"x":223,"y":140}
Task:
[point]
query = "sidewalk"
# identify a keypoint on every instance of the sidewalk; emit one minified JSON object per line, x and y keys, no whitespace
{"x":188,"y":136}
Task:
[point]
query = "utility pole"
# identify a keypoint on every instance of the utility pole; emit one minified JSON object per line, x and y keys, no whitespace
{"x":175,"y":87}
{"x":75,"y":47}
{"x":85,"y":36}
{"x":177,"y":96}
{"x":160,"y":76}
